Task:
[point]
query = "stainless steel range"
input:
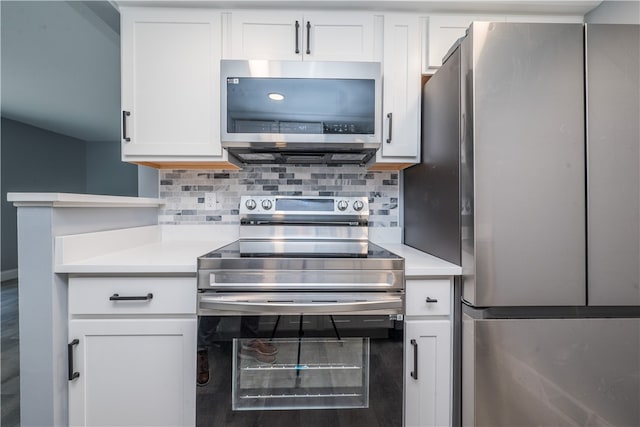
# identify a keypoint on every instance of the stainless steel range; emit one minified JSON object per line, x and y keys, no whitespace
{"x":302,"y":314}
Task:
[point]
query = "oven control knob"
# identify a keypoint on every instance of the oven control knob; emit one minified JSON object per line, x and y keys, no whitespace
{"x":358,"y":205}
{"x":343,"y":205}
{"x":250,"y":204}
{"x":266,"y":204}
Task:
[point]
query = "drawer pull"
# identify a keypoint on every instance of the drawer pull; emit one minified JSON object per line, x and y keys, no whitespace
{"x":117,"y":297}
{"x":414,"y":373}
{"x":430,"y":300}
{"x":72,"y":375}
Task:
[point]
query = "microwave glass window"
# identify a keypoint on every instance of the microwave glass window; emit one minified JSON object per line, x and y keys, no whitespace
{"x":300,"y":106}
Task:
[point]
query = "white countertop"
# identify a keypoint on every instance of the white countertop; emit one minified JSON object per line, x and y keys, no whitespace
{"x":65,"y":200}
{"x":149,"y":250}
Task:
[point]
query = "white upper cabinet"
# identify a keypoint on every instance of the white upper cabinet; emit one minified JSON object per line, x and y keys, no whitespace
{"x":296,"y":36}
{"x":402,"y":88}
{"x":170,"y":84}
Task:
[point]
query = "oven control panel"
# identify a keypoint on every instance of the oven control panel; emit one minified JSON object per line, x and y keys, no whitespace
{"x":304,"y":205}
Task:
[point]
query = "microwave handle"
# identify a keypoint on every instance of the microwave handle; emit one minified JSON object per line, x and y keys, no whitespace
{"x":297,"y":37}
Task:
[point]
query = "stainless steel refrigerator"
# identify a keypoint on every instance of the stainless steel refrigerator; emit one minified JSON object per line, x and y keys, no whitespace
{"x":530,"y":179}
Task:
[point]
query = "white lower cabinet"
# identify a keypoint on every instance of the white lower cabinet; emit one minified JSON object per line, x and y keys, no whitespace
{"x":428,"y":353}
{"x":133,"y":365}
{"x":427,"y":373}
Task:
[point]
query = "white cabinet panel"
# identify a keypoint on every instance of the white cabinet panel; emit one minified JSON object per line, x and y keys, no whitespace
{"x":266,"y":35}
{"x":295,"y":36}
{"x":133,"y":372}
{"x":170,"y":84}
{"x":428,"y":297}
{"x":154,"y":295}
{"x":402,"y":88}
{"x":427,"y":397}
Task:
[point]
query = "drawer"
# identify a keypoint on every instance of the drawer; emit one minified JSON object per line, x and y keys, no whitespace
{"x":438,"y":291}
{"x":168,"y":295}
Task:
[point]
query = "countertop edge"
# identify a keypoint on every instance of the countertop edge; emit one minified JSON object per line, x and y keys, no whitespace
{"x":57,"y":200}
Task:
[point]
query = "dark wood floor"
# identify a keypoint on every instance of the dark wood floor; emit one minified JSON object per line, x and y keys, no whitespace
{"x":10,"y":357}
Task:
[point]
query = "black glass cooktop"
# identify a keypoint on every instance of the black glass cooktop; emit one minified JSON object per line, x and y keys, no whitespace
{"x":328,"y":249}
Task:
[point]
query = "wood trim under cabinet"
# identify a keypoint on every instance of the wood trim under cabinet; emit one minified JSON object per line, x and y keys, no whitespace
{"x":389,"y":166}
{"x":189,"y":165}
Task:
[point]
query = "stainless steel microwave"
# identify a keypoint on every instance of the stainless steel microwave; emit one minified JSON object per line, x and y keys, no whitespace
{"x":301,"y":112}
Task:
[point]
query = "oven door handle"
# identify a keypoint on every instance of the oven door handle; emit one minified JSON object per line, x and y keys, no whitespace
{"x":284,"y":306}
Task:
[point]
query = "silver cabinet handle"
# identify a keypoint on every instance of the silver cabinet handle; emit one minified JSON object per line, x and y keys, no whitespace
{"x":390,"y":117}
{"x":297,"y":37}
{"x":308,"y":37}
{"x":430,"y":300}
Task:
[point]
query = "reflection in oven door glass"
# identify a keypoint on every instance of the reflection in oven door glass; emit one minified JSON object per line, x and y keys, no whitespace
{"x":309,"y":373}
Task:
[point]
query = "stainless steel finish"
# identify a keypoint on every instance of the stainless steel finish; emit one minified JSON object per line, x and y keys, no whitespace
{"x":296,"y":205}
{"x":528,"y":164}
{"x":301,"y":265}
{"x":343,"y":231}
{"x":300,"y":303}
{"x":551,"y":372}
{"x":613,"y":146}
{"x":302,"y":70}
{"x":310,"y":280}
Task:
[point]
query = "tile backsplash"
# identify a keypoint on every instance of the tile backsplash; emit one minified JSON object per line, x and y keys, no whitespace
{"x":184,"y":190}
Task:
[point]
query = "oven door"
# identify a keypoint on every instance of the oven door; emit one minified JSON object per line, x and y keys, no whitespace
{"x":301,"y":369}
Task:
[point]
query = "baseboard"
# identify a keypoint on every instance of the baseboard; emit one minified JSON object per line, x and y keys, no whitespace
{"x":9,"y":274}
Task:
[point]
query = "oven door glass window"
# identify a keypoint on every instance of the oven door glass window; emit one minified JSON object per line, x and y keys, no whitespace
{"x":308,"y":373}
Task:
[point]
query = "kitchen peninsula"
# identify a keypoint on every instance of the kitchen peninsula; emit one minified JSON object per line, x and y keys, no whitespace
{"x":77,"y":251}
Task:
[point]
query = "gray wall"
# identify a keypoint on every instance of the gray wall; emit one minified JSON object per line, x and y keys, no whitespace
{"x":106,"y":173}
{"x":37,"y":160}
{"x":615,"y":12}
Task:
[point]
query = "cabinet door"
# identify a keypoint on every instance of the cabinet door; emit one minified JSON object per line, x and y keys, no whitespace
{"x":133,"y":372}
{"x":402,"y":84}
{"x":266,"y":35}
{"x":333,"y":36}
{"x":170,"y":83}
{"x":292,"y":36}
{"x":428,"y":397}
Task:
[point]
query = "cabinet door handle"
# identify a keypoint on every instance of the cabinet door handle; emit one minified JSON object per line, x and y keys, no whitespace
{"x":72,"y":375}
{"x":390,"y":117}
{"x":297,"y":37}
{"x":430,"y":300}
{"x":308,"y":37}
{"x":125,"y":114}
{"x":414,"y":373}
{"x":117,"y":297}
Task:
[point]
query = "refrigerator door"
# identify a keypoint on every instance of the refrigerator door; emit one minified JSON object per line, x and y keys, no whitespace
{"x":613,"y":146}
{"x":524,"y":92}
{"x":551,"y":372}
{"x":431,"y":189}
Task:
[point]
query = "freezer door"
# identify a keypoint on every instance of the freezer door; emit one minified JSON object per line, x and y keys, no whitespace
{"x":551,"y":372}
{"x":613,"y":144}
{"x":526,"y":191}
